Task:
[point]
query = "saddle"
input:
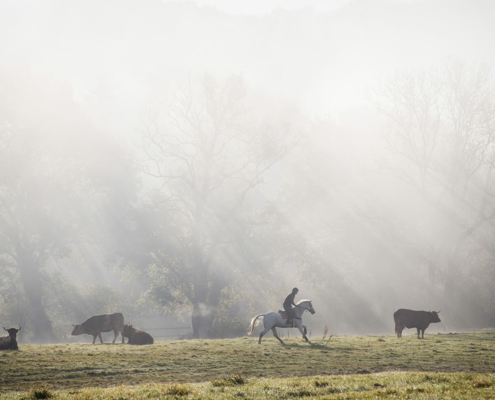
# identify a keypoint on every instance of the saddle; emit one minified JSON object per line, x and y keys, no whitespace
{"x":283,"y":314}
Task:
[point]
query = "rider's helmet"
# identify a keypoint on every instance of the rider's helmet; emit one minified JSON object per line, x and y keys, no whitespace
{"x":295,"y":290}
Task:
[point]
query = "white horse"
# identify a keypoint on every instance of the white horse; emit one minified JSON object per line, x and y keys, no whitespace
{"x":274,"y":319}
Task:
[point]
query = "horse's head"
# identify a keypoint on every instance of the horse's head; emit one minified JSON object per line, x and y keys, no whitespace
{"x":306,"y":305}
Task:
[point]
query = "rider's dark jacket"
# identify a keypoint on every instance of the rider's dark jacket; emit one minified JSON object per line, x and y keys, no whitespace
{"x":289,"y":301}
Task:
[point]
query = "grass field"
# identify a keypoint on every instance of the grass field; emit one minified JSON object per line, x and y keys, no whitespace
{"x":439,"y":366}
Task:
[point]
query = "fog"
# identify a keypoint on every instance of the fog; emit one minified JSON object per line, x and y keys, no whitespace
{"x":188,"y":163}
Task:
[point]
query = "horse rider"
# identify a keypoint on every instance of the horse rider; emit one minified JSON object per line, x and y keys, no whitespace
{"x":288,"y":303}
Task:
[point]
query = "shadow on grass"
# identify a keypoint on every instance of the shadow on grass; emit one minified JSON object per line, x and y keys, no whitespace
{"x":312,"y":346}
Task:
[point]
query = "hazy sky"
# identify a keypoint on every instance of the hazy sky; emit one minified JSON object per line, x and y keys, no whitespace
{"x":310,"y":71}
{"x":260,"y":7}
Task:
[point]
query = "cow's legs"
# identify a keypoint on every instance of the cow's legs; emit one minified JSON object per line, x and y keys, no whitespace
{"x":262,"y":334}
{"x":276,"y":335}
{"x":418,"y":332}
{"x":422,"y":334}
{"x":99,"y":335}
{"x":116,"y":334}
{"x":94,"y":338}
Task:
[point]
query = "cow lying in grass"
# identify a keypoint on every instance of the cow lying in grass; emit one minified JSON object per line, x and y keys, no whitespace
{"x":9,"y":342}
{"x":136,"y":336}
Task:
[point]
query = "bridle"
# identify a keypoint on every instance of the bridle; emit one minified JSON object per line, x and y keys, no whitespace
{"x":310,"y":309}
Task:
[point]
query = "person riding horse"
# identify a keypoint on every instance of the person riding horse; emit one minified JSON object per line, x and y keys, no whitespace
{"x":288,"y":303}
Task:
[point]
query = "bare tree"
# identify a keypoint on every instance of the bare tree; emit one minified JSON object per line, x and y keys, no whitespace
{"x":441,"y":133}
{"x":208,"y":153}
{"x":28,"y":233}
{"x":55,"y":179}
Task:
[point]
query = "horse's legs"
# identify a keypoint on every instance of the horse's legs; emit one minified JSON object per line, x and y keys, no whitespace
{"x":262,"y":334}
{"x":276,"y":335}
{"x":300,"y":327}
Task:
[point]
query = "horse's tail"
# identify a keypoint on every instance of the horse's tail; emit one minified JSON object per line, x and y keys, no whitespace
{"x":254,"y":323}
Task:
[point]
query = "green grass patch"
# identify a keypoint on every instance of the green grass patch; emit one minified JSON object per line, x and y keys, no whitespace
{"x":77,"y":367}
{"x":406,"y":385}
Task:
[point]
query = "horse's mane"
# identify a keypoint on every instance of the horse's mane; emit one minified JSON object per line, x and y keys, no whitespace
{"x":302,"y":301}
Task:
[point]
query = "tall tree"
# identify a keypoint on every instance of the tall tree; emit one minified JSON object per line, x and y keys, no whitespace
{"x":441,"y":133}
{"x":54,"y":175}
{"x":208,"y":154}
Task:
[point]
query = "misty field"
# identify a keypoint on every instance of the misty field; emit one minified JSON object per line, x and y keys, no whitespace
{"x":359,"y":367}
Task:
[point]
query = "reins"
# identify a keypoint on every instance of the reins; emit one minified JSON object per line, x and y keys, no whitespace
{"x":303,"y":309}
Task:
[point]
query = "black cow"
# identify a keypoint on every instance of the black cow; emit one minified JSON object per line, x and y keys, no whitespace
{"x":414,"y":319}
{"x":9,"y":342}
{"x":101,"y":323}
{"x":136,"y":336}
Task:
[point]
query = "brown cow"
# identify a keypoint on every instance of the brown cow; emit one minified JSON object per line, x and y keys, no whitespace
{"x":136,"y":336}
{"x":101,"y":323}
{"x":9,"y":342}
{"x":414,"y":319}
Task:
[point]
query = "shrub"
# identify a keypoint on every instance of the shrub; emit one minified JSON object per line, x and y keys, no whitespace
{"x":319,"y":383}
{"x":179,"y":390}
{"x":230,"y":381}
{"x":41,"y":393}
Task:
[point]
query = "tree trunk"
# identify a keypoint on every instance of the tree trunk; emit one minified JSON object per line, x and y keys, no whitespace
{"x":453,"y":265}
{"x":451,"y":276}
{"x":32,"y":284}
{"x":201,"y":310}
{"x":200,"y":321}
{"x":431,"y":284}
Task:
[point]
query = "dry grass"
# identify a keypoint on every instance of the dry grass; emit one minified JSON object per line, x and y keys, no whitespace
{"x":77,"y":367}
{"x":404,"y":385}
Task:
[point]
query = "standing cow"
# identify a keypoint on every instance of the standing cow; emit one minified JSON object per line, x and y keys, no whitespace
{"x":9,"y":342}
{"x":414,"y":319}
{"x":136,"y":336}
{"x":101,"y":323}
